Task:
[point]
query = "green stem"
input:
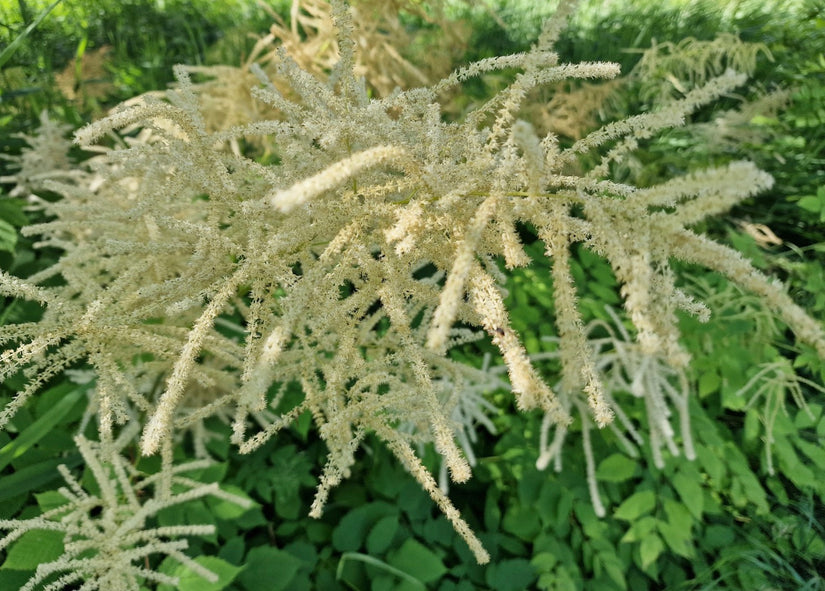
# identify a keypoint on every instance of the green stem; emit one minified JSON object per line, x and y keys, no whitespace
{"x":365,"y":558}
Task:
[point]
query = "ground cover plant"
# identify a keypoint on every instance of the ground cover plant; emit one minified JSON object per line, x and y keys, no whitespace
{"x":334,"y":262}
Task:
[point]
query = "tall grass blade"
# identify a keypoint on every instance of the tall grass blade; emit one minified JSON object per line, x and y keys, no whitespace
{"x":9,"y":51}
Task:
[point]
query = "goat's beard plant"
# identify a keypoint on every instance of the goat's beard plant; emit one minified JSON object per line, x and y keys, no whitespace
{"x":353,"y":264}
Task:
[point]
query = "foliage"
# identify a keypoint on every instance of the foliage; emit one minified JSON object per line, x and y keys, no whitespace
{"x":100,"y":536}
{"x":292,"y":266}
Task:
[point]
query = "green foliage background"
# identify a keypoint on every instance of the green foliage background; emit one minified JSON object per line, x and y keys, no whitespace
{"x":719,"y":522}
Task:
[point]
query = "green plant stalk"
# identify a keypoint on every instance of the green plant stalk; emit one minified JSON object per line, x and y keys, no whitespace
{"x":367,"y":559}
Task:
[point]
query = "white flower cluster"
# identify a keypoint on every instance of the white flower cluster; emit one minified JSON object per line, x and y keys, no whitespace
{"x":197,"y":281}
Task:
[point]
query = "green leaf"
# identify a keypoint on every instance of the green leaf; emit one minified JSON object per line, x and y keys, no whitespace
{"x":640,"y":529}
{"x":192,"y":581}
{"x":381,"y":534}
{"x":814,"y":452}
{"x":10,"y":507}
{"x":807,"y":419}
{"x":11,"y":211}
{"x":351,"y":532}
{"x":33,"y":548}
{"x":50,"y":500}
{"x":492,"y":511}
{"x":716,"y":536}
{"x":709,"y":460}
{"x":636,"y":505}
{"x":796,"y":471}
{"x":709,"y":382}
{"x":42,"y":426}
{"x":269,"y":568}
{"x":678,"y":538}
{"x":691,"y":493}
{"x":563,"y":510}
{"x":678,"y":514}
{"x":604,"y":294}
{"x":744,"y":478}
{"x":616,"y":468}
{"x":35,"y":475}
{"x":544,"y":562}
{"x":614,"y":568}
{"x":223,"y":509}
{"x":564,"y":581}
{"x":752,"y":427}
{"x":418,"y":561}
{"x":214,"y":472}
{"x":649,"y":550}
{"x":521,"y":522}
{"x":8,"y":236}
{"x":510,"y":575}
{"x":593,"y":526}
{"x":14,"y":579}
{"x":810,"y":203}
{"x":232,"y":551}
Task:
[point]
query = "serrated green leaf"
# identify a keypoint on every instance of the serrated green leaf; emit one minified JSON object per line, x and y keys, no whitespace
{"x":636,"y":505}
{"x":33,"y":548}
{"x":418,"y":561}
{"x":616,"y":468}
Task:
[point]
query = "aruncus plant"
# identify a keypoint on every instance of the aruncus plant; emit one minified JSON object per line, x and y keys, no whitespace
{"x":199,"y":282}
